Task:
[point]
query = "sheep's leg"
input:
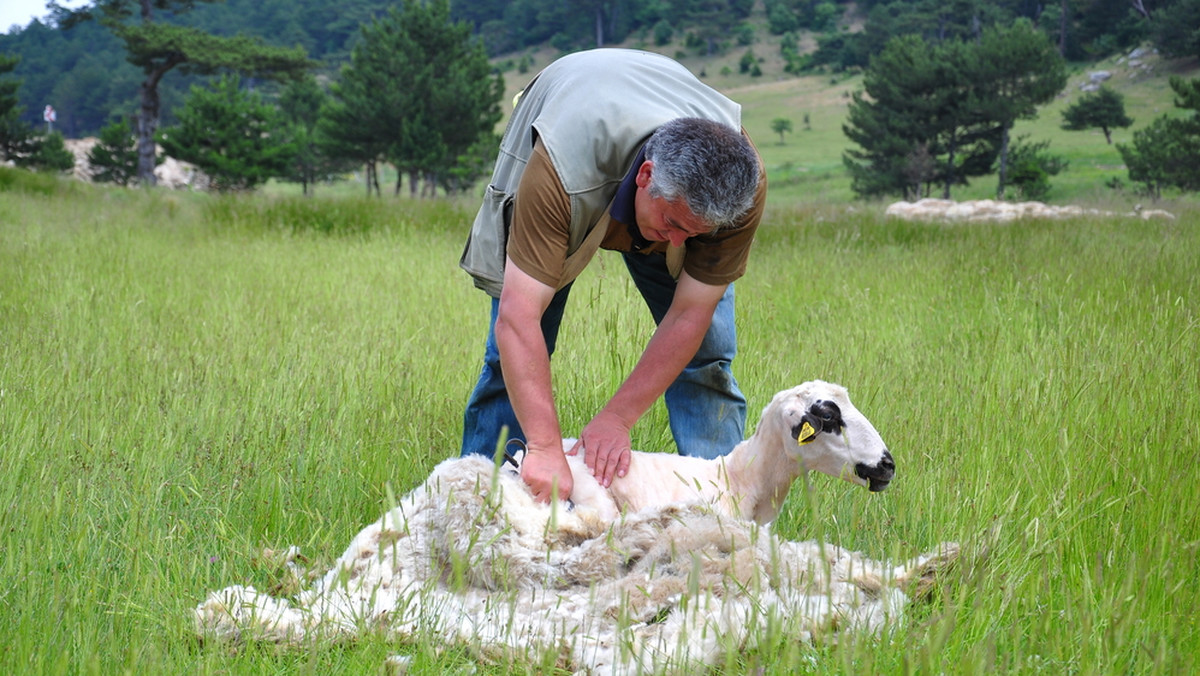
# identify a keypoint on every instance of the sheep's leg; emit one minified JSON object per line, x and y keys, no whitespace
{"x":918,"y":578}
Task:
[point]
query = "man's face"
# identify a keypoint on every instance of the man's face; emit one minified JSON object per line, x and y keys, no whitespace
{"x":660,"y":220}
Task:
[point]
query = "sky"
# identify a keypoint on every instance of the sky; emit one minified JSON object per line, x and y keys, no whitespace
{"x":21,"y":12}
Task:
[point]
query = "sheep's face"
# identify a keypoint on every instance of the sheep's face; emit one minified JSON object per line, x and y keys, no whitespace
{"x":829,"y":435}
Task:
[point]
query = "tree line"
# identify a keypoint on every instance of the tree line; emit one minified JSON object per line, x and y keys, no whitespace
{"x":414,"y":87}
{"x":1080,"y":30}
{"x":82,"y":68}
{"x":417,"y":92}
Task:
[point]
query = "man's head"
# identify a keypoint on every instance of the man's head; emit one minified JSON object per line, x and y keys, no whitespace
{"x":706,"y":172}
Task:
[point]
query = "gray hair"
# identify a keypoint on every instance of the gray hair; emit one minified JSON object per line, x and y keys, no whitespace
{"x":711,"y":166}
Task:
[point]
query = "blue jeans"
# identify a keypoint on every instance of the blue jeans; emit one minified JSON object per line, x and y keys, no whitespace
{"x":707,"y":411}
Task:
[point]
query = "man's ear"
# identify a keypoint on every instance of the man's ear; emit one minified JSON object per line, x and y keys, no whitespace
{"x":643,"y":174}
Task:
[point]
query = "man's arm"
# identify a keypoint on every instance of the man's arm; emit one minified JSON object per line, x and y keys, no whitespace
{"x":605,"y":439}
{"x":525,"y":362}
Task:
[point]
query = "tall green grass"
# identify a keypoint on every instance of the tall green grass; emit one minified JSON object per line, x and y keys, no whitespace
{"x":186,"y":380}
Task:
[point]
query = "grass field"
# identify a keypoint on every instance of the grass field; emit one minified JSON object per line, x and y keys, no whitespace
{"x":186,"y":380}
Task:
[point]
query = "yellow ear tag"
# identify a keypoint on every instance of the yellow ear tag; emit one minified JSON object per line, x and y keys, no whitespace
{"x":806,"y":434}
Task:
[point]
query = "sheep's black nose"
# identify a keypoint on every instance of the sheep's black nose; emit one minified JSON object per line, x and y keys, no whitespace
{"x":879,"y":475}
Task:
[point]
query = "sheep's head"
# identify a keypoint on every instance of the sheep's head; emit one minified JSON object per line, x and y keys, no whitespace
{"x":831,"y":435}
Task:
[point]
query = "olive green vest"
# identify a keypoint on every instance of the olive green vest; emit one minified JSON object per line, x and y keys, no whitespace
{"x":593,"y":111}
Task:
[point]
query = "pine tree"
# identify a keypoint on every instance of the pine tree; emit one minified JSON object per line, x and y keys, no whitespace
{"x":301,"y":103}
{"x":1103,"y":108}
{"x":231,"y":135}
{"x":1164,"y":153}
{"x":158,"y":48}
{"x":1030,"y":168}
{"x":1014,"y":70}
{"x":948,"y":105}
{"x":8,"y":87}
{"x":15,"y":135}
{"x":781,"y":126}
{"x":48,"y":153}
{"x":449,"y":101}
{"x":1176,"y":30}
{"x":114,"y":157}
{"x":913,"y":103}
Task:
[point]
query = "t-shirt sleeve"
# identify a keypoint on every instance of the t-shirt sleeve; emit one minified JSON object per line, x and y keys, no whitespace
{"x":537,"y":241}
{"x":720,"y":258}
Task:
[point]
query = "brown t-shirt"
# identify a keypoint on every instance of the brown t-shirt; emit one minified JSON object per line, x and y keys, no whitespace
{"x":537,"y":241}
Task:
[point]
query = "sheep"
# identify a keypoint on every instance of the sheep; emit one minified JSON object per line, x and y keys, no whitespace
{"x":468,"y":558}
{"x":992,"y":211}
{"x":812,"y":426}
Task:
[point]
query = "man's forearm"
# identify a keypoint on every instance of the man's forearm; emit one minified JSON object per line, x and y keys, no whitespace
{"x":523,"y":354}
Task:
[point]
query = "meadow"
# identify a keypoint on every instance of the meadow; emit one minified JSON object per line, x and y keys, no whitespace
{"x":187,"y":381}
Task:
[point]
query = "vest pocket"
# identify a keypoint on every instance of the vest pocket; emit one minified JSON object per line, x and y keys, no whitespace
{"x":483,"y":256}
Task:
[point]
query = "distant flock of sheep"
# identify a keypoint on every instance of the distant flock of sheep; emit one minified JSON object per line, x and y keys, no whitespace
{"x":991,"y":210}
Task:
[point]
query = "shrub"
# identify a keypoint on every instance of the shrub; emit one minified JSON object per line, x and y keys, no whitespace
{"x":114,"y":158}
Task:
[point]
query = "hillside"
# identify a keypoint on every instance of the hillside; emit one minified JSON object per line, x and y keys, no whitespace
{"x":807,"y":165}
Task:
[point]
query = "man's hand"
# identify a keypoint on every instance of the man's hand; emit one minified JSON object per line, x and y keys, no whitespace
{"x":543,"y":470}
{"x":605,"y":444}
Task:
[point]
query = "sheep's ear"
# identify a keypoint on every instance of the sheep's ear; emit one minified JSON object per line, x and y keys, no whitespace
{"x":806,"y":433}
{"x":821,"y":416}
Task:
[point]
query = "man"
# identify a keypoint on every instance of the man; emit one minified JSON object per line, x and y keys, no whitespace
{"x":628,"y":151}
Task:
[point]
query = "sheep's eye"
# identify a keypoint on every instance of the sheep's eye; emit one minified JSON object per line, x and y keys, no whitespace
{"x":828,"y":413}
